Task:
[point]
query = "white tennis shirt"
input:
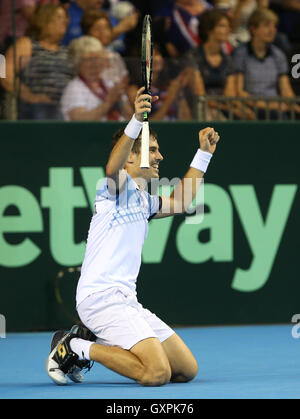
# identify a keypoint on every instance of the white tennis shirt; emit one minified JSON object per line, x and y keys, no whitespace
{"x":116,"y":236}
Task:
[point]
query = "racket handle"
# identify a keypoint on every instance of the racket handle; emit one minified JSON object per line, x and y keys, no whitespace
{"x":145,"y":146}
{"x":146,"y":114}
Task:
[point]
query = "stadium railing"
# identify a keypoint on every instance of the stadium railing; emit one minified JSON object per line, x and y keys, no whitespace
{"x":255,"y":108}
{"x":203,"y":108}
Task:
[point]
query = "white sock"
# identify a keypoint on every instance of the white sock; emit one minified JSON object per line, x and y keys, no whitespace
{"x":81,"y":347}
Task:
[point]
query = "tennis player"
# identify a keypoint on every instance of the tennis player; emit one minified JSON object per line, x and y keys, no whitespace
{"x":126,"y":337}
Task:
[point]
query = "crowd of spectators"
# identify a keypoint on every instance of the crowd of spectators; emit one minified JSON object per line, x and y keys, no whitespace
{"x":80,"y":59}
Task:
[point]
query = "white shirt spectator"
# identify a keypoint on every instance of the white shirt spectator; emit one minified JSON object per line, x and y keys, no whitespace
{"x":78,"y":95}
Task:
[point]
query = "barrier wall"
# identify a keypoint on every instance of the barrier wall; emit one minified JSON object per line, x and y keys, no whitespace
{"x":239,"y":266}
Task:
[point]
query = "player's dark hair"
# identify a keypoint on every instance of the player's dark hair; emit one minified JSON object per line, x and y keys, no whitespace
{"x":136,"y":148}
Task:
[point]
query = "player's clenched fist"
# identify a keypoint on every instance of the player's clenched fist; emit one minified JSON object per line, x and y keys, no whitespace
{"x":208,"y":139}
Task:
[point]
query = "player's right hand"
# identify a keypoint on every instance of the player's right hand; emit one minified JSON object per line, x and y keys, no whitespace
{"x":208,"y":139}
{"x":143,"y":104}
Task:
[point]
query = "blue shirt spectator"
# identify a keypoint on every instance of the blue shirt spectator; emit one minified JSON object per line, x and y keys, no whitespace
{"x":261,"y":75}
{"x":120,"y":27}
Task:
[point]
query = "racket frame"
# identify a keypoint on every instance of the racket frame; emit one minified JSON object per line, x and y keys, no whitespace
{"x":147,"y":60}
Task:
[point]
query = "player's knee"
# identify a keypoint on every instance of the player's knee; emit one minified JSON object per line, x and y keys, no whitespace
{"x":192,"y":371}
{"x":156,"y":376}
{"x":188,"y":374}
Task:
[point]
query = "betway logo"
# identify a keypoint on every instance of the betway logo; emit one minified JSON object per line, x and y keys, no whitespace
{"x":62,"y":198}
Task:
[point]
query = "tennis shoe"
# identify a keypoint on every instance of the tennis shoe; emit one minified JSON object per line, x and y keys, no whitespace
{"x":62,"y":361}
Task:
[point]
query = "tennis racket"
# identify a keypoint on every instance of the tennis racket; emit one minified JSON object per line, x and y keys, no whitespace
{"x":147,"y":59}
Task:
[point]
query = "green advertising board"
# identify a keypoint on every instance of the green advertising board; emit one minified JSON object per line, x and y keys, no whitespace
{"x":239,"y":265}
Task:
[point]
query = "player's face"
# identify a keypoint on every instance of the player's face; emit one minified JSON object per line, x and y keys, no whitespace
{"x":155,"y":158}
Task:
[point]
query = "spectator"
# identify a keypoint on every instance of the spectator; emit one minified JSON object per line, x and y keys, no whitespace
{"x":42,"y":66}
{"x":88,"y":97}
{"x":76,"y":11}
{"x":96,"y":23}
{"x":214,"y":70}
{"x":240,"y":11}
{"x":182,"y":19}
{"x":172,"y":104}
{"x":262,"y":67}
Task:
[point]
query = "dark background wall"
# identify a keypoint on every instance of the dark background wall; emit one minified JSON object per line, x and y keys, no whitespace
{"x":240,"y":265}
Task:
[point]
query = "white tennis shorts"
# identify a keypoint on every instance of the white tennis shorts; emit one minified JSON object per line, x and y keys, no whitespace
{"x":118,"y":319}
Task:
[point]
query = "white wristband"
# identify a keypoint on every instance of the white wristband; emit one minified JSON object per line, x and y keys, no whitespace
{"x":133,"y":128}
{"x":201,"y":160}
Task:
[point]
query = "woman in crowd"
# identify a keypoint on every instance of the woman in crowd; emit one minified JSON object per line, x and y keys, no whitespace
{"x":96,"y":23}
{"x":262,"y":67}
{"x":120,"y":28}
{"x":215,"y":73}
{"x":89,"y":97}
{"x":42,"y":66}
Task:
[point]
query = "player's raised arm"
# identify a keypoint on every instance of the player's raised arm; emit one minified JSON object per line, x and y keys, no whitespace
{"x":122,"y":149}
{"x":186,"y":190}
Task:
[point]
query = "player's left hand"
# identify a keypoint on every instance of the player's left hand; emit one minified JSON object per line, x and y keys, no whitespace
{"x":143,"y":103}
{"x":208,"y":139}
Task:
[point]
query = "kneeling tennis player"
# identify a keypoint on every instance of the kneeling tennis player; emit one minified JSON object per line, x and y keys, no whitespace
{"x":119,"y":332}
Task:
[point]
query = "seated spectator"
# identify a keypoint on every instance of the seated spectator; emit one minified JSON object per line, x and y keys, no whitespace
{"x":239,"y":11}
{"x":43,"y":67}
{"x":79,"y":7}
{"x":96,"y":23}
{"x":214,"y":70}
{"x":242,"y":10}
{"x":262,"y":67}
{"x":172,"y":104}
{"x":89,"y":97}
{"x":182,"y":21}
